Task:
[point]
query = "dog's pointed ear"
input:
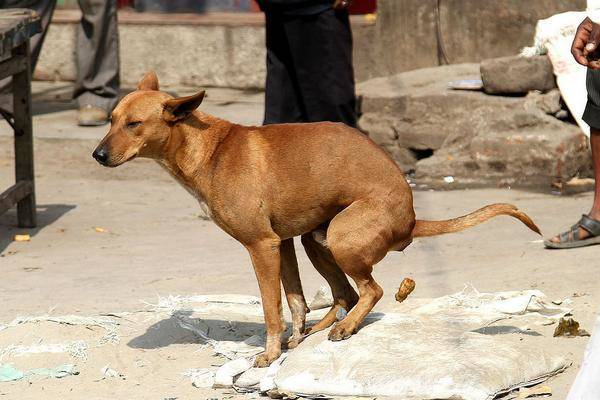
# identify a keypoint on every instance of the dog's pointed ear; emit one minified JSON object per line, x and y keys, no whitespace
{"x":179,"y":108}
{"x":148,"y":82}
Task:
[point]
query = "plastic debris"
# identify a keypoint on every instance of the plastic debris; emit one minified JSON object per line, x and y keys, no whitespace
{"x":322,"y":299}
{"x":203,"y":378}
{"x":204,"y":302}
{"x":22,"y":238}
{"x":108,"y":372}
{"x":77,"y":349}
{"x":59,"y":372}
{"x":100,"y":230}
{"x":249,"y":381}
{"x":248,"y":347}
{"x":449,"y":179}
{"x":228,"y":371}
{"x":267,"y":383}
{"x":569,"y":328}
{"x":406,"y":288}
{"x":499,"y":305}
{"x":9,"y":373}
{"x":341,"y":314}
{"x":108,"y":324}
{"x":535,"y":391}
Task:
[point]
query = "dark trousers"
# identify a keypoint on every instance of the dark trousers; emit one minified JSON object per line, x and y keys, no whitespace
{"x":591,"y":115}
{"x":309,"y":68}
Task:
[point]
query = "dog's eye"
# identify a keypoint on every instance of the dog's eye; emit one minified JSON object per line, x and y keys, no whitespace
{"x":133,"y":124}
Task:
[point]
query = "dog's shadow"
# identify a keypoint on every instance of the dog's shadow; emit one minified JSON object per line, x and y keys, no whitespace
{"x":180,"y":328}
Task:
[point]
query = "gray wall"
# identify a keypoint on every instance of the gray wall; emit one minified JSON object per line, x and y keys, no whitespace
{"x":471,"y":30}
{"x":232,"y":54}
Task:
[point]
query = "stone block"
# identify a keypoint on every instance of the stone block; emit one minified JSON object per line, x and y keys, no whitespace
{"x":517,"y":75}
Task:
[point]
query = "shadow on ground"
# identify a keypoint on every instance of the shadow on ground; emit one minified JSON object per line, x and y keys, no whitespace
{"x":170,"y":331}
{"x":47,"y":214}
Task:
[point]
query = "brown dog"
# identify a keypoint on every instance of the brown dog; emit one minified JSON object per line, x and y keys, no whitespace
{"x":265,"y":185}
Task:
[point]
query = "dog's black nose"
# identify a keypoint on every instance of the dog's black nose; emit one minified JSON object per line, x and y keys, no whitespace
{"x":100,"y":155}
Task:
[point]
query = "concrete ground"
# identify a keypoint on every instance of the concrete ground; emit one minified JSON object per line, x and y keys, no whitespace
{"x":153,"y":242}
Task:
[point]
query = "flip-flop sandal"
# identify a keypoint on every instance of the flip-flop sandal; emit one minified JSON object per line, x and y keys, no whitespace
{"x":571,"y":239}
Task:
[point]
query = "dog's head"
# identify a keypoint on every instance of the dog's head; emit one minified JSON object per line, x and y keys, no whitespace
{"x":141,"y":123}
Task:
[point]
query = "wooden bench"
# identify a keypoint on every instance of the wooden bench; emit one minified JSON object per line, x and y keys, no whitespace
{"x":17,"y":26}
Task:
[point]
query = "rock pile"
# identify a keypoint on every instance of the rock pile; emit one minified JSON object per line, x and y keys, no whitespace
{"x":519,"y":139}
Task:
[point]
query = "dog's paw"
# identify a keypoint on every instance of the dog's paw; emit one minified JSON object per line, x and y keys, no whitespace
{"x":265,"y":359}
{"x":340,"y":331}
{"x":294,"y":341}
{"x":308,"y":331}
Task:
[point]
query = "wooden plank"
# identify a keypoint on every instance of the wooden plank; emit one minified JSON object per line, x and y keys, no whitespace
{"x":12,"y":66}
{"x":26,"y":211}
{"x":17,"y":25}
{"x":14,"y":194}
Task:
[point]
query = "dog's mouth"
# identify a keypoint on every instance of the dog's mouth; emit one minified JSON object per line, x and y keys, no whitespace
{"x":120,"y":162}
{"x":134,"y":155}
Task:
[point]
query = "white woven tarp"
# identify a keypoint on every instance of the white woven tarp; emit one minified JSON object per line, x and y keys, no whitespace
{"x":470,"y":346}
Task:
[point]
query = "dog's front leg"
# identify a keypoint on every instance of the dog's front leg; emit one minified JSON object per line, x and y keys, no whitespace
{"x":265,"y":256}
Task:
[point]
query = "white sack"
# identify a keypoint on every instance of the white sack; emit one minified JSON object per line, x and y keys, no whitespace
{"x":445,"y":348}
{"x":554,"y":36}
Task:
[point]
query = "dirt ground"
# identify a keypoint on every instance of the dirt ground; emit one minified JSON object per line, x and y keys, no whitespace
{"x":152,"y":242}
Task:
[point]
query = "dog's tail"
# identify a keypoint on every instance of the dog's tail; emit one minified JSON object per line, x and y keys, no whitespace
{"x":433,"y":228}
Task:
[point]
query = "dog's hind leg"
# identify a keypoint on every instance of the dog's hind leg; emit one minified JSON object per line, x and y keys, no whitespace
{"x":358,"y":238}
{"x":293,"y":291}
{"x":343,"y":293}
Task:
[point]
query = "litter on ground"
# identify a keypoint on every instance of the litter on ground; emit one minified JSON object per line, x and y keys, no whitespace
{"x":22,"y":238}
{"x":570,"y":328}
{"x":488,"y":343}
{"x":525,"y":393}
{"x":10,"y":373}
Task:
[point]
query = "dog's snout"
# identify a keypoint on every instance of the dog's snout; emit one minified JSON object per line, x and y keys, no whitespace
{"x":101,"y":155}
